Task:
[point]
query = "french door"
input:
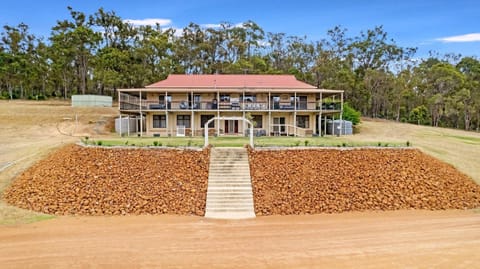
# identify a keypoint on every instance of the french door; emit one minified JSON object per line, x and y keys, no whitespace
{"x":231,"y":126}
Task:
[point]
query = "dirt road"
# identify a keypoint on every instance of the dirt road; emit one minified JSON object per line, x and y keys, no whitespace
{"x":412,"y":239}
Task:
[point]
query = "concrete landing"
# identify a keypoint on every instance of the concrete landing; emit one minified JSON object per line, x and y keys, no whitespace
{"x":229,"y":194}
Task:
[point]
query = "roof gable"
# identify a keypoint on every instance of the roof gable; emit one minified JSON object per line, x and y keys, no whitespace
{"x":232,"y":81}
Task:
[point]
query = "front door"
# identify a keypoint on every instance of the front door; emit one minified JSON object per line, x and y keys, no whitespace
{"x":231,"y":126}
{"x":279,"y":125}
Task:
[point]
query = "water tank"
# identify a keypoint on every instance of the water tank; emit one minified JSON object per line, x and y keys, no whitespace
{"x":129,"y":125}
{"x":333,"y":127}
{"x":91,"y":100}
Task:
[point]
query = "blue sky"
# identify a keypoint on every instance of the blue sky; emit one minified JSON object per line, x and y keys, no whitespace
{"x":442,"y":26}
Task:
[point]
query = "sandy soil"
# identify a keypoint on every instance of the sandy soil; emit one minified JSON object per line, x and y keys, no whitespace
{"x":401,"y":239}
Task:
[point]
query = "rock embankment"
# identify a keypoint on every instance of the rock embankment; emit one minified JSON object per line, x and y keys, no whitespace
{"x":329,"y":181}
{"x":109,"y":181}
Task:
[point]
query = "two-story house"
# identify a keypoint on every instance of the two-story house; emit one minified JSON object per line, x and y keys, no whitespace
{"x":276,"y":104}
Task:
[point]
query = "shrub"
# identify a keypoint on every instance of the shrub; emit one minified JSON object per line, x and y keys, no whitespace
{"x":306,"y":143}
{"x":99,"y":142}
{"x":344,"y":144}
{"x":419,"y":115}
{"x":155,"y":143}
{"x":350,"y":114}
{"x":408,"y":143}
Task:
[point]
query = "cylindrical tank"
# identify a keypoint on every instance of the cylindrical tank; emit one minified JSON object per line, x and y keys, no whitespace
{"x":333,"y":127}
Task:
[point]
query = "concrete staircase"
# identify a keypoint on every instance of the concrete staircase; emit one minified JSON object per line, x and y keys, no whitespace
{"x":229,"y":194}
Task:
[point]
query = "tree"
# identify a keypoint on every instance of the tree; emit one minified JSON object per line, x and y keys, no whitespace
{"x":419,"y":115}
{"x":78,"y":42}
{"x":469,"y":96}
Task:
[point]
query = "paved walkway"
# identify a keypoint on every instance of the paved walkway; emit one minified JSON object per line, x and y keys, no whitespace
{"x":229,"y":194}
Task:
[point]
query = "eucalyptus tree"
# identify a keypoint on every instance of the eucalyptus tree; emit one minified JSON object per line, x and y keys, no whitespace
{"x":373,"y":50}
{"x":439,"y":81}
{"x":254,"y":36}
{"x":276,"y":51}
{"x":469,"y":96}
{"x":187,"y":49}
{"x":301,"y":57}
{"x":153,"y":53}
{"x":333,"y":65}
{"x":76,"y":43}
{"x":17,"y":65}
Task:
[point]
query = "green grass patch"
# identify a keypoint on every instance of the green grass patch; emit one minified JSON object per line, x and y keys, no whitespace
{"x":475,"y":140}
{"x":240,"y":141}
{"x":10,"y":215}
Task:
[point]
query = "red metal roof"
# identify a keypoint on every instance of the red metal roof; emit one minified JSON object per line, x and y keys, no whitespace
{"x":232,"y":81}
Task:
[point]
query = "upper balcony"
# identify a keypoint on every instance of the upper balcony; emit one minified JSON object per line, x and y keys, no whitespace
{"x":133,"y":103}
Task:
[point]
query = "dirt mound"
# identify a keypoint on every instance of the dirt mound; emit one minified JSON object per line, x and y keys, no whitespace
{"x":329,"y":181}
{"x":103,"y":181}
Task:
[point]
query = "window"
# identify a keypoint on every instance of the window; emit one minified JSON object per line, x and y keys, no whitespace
{"x":275,"y":102}
{"x":196,"y":101}
{"x":159,"y":121}
{"x":257,"y":121}
{"x":183,"y":120}
{"x":165,"y":100}
{"x":301,"y":102}
{"x":302,"y":121}
{"x":225,"y":98}
{"x":204,"y":119}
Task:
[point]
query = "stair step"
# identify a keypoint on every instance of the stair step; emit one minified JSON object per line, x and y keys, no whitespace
{"x":230,"y":215}
{"x":233,"y":203}
{"x":232,"y":194}
{"x":229,"y":209}
{"x":230,"y":176}
{"x":233,"y":185}
{"x":230,"y":180}
{"x":230,"y":199}
{"x":226,"y":166}
{"x":229,"y":191}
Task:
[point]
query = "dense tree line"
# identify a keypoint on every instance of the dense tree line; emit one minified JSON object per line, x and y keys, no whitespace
{"x":101,"y":52}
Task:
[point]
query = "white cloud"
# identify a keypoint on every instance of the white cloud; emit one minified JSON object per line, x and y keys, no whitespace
{"x":177,"y":31}
{"x":473,"y":37}
{"x":211,"y":25}
{"x":151,"y":22}
{"x":239,"y":25}
{"x":218,"y":25}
